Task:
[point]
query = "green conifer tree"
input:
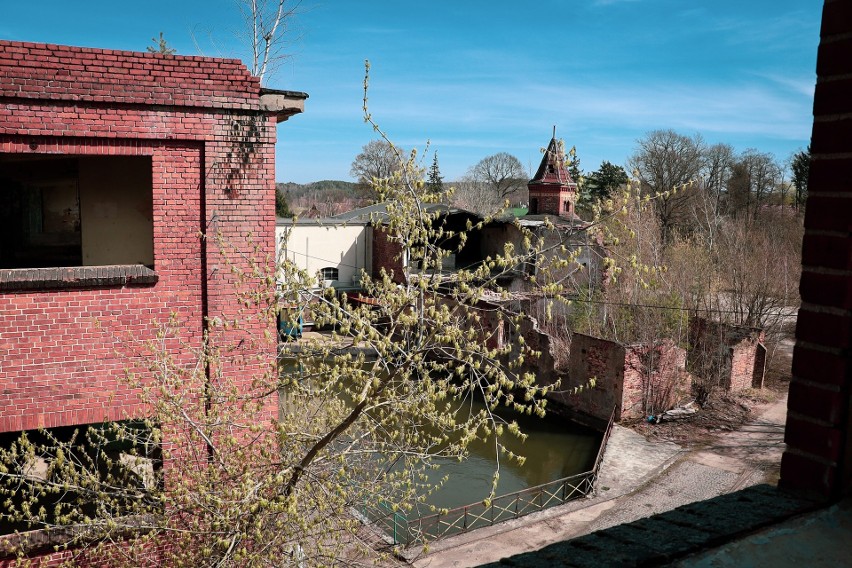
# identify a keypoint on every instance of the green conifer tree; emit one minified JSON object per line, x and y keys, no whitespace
{"x":435,"y":181}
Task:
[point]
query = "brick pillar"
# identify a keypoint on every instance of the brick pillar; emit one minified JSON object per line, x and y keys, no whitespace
{"x":818,"y":459}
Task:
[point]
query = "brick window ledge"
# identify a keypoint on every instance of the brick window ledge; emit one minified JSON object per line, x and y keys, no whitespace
{"x":76,"y":277}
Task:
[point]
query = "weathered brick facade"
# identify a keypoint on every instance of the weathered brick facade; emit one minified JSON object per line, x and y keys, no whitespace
{"x":819,"y":417}
{"x":603,"y":360}
{"x":635,"y":379}
{"x":210,"y":138}
{"x":387,"y":255}
{"x":654,"y":378}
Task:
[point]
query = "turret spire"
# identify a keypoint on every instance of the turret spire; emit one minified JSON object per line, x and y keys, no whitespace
{"x":552,"y":191}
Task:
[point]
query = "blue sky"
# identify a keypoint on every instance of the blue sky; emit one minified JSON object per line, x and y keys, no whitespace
{"x":479,"y":77}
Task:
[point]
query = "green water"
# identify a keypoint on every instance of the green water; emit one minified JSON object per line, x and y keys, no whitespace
{"x":554,"y":448}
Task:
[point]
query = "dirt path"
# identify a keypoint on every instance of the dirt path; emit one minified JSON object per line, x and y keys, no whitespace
{"x":757,"y":445}
{"x":727,"y":462}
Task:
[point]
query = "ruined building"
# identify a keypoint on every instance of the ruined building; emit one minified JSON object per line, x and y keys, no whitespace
{"x":112,"y":164}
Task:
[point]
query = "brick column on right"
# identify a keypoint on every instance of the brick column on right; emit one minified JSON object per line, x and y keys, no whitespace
{"x":818,"y":459}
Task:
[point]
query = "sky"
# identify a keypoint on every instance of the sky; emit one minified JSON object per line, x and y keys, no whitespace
{"x":471,"y":78}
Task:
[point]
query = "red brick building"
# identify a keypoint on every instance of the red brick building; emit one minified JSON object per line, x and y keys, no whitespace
{"x":112,"y":166}
{"x":552,"y":191}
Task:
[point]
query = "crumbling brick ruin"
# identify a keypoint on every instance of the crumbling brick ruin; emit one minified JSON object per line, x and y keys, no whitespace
{"x":726,"y":356}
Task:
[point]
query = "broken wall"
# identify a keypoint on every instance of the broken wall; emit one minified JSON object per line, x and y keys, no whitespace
{"x":603,"y":361}
{"x":727,"y":356}
{"x":635,"y":379}
{"x":654,"y":378}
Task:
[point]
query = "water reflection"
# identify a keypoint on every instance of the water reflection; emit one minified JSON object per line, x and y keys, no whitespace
{"x":553,"y":449}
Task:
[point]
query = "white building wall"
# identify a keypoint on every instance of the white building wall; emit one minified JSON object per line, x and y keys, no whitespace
{"x":314,"y":246}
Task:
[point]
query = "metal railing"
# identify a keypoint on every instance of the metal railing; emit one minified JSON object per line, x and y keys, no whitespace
{"x":604,"y":441}
{"x":477,"y":515}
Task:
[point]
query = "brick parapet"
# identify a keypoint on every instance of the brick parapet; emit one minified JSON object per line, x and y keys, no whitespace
{"x":66,"y":73}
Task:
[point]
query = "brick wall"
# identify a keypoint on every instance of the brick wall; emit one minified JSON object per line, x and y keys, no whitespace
{"x":819,"y":418}
{"x":726,"y":356}
{"x":64,"y":73}
{"x":212,"y":155}
{"x":592,"y":357}
{"x":551,"y":201}
{"x":636,"y":379}
{"x":387,"y":256}
{"x":654,"y":378}
{"x":543,"y":366}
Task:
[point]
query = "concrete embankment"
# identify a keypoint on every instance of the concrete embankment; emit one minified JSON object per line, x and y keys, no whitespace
{"x":638,"y":478}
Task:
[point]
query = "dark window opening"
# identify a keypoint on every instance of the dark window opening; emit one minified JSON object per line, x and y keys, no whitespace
{"x":70,"y":211}
{"x":112,"y":469}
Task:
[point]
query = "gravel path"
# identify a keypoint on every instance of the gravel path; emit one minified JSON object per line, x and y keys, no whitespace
{"x":733,"y":460}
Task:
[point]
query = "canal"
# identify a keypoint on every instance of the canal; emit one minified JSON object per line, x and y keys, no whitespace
{"x":554,"y":448}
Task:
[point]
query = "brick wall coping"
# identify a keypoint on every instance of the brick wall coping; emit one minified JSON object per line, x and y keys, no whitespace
{"x":664,"y":538}
{"x":59,"y":72}
{"x":76,"y":277}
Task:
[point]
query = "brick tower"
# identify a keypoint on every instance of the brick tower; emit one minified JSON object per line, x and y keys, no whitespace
{"x":552,"y":191}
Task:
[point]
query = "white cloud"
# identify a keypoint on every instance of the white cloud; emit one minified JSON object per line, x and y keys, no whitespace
{"x":800,"y":86}
{"x":741,"y":109}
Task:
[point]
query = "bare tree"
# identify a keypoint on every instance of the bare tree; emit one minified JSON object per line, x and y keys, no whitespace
{"x":476,"y":196}
{"x":668,"y":164}
{"x":502,"y":174}
{"x":759,"y":265}
{"x":708,"y":202}
{"x":691,"y":274}
{"x":267,"y":22}
{"x":755,"y":176}
{"x":377,"y":164}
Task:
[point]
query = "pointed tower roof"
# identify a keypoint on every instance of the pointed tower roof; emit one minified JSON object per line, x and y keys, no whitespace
{"x":552,"y":191}
{"x":552,"y":169}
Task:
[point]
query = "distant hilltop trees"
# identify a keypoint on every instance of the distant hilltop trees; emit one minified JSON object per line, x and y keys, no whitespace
{"x":325,"y":198}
